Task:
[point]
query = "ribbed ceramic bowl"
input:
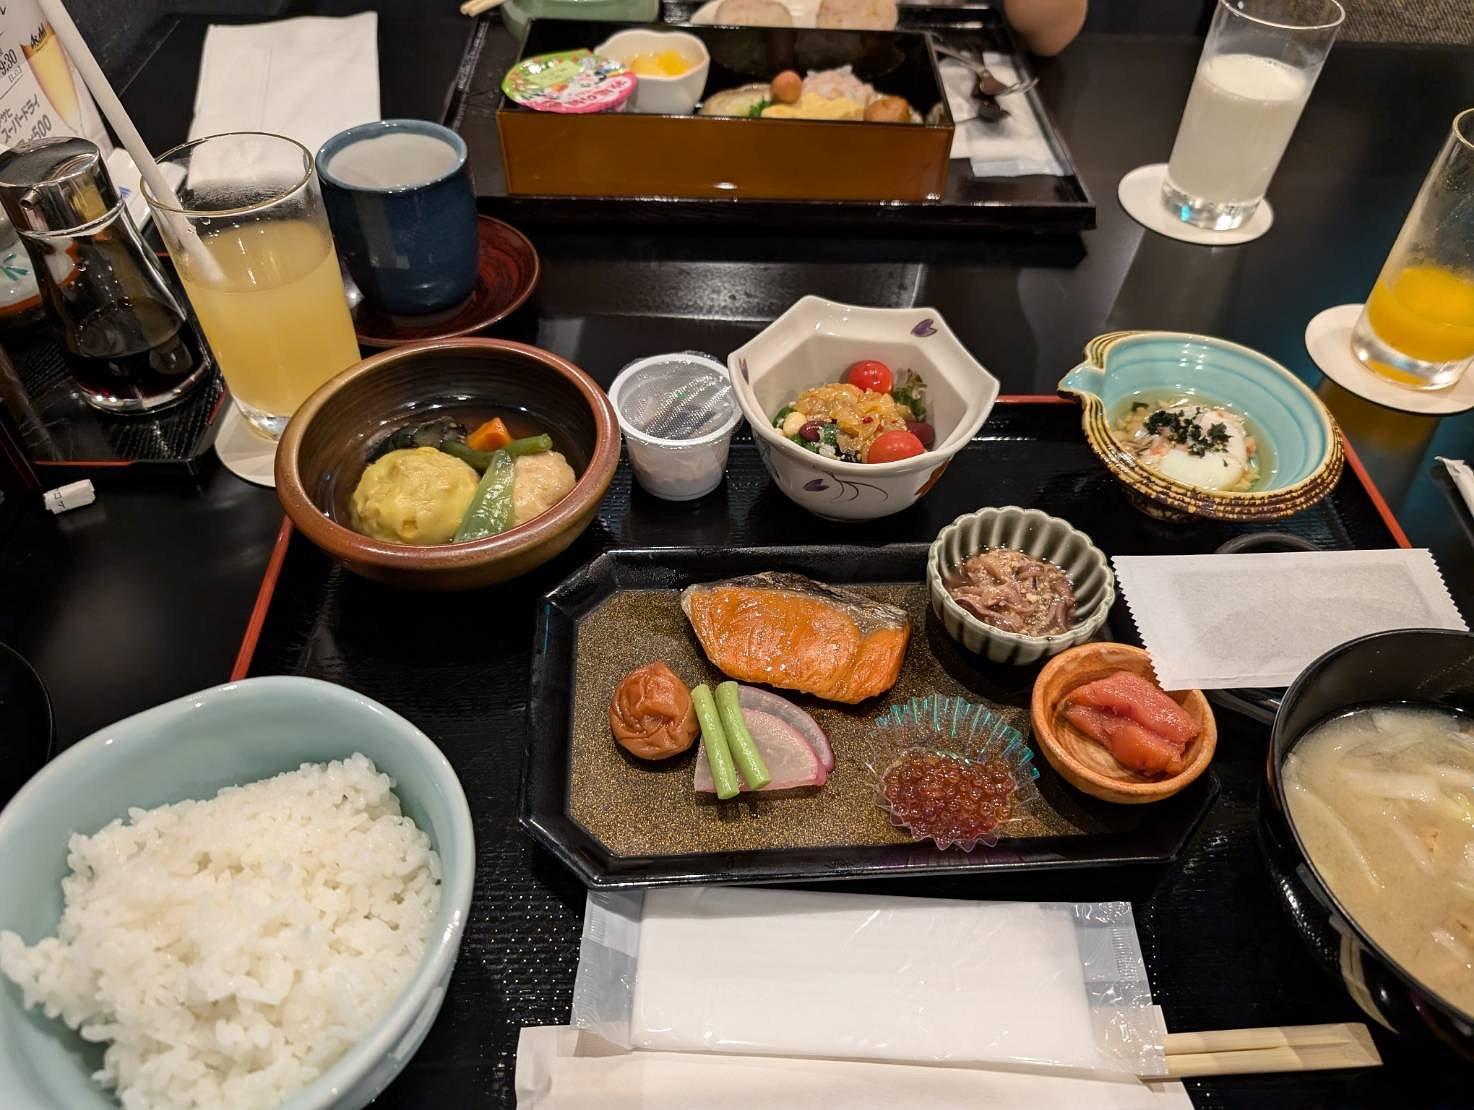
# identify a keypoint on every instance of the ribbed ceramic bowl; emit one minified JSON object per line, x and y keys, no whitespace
{"x":322,"y":453}
{"x":1304,"y":438}
{"x":1034,"y":533}
{"x":190,"y":748}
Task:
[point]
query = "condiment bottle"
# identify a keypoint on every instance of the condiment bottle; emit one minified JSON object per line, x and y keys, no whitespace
{"x":128,"y":340}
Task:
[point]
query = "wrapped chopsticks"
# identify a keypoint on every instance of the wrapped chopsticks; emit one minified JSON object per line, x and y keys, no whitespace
{"x":1270,"y":1049}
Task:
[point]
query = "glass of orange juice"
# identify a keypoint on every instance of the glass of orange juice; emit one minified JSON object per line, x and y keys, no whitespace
{"x":1417,"y":328}
{"x":249,"y":237}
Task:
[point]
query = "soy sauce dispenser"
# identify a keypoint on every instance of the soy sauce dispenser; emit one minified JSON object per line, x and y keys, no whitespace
{"x":128,"y":341}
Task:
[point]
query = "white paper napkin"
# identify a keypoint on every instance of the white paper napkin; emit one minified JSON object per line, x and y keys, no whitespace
{"x":306,"y":78}
{"x":1015,"y":146}
{"x":560,"y":1068}
{"x":1463,"y":477}
{"x":903,"y":980}
{"x":1220,"y":621}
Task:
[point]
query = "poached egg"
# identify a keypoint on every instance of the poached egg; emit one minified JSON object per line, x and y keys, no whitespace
{"x":1219,"y":456}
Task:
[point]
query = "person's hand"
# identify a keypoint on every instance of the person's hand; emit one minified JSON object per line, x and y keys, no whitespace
{"x":1046,"y":26}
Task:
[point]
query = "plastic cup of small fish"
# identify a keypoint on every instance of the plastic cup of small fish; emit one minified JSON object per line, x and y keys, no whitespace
{"x":959,"y":775}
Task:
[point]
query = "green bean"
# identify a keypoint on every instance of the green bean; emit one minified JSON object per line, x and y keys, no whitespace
{"x":492,"y":510}
{"x":714,"y":739}
{"x":530,"y":445}
{"x":478,"y":459}
{"x":744,"y":752}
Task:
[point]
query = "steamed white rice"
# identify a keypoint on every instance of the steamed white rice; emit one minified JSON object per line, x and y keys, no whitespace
{"x":230,"y":950}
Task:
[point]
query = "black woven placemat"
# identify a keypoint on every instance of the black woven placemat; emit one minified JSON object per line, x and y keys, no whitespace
{"x":57,"y":426}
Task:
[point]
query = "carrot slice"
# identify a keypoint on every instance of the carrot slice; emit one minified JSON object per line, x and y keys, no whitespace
{"x":489,"y":436}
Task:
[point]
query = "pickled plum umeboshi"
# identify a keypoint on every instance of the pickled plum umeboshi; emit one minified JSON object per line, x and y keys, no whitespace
{"x":948,"y":798}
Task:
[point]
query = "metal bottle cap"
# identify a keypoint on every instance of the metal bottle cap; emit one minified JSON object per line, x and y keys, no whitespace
{"x":55,"y":185}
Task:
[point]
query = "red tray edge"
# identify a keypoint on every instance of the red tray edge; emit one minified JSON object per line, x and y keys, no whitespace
{"x":278,"y":557}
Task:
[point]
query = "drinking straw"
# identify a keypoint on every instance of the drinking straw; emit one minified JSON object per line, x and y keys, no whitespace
{"x":102,"y":91}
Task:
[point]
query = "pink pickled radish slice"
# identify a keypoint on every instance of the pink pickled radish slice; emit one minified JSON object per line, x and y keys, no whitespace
{"x":789,"y":759}
{"x":765,"y":701}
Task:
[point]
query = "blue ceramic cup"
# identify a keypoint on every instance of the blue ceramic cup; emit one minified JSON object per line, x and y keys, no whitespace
{"x":403,"y":213}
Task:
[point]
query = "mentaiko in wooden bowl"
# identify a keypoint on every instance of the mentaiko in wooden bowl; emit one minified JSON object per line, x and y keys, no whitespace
{"x":323,"y":451}
{"x":1087,"y":765}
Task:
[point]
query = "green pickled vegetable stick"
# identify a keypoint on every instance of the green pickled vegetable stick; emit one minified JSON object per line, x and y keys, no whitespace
{"x":718,"y":755}
{"x":530,"y":445}
{"x":744,"y":752}
{"x":492,"y":509}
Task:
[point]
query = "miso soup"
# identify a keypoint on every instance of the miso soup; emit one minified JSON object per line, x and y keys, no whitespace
{"x":1383,"y":801}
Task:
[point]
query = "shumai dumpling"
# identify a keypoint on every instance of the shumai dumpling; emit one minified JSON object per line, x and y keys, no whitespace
{"x":414,"y":495}
{"x":538,"y":483}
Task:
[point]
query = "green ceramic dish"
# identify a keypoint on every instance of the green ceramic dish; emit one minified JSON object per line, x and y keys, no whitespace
{"x":1306,"y":443}
{"x":190,"y":748}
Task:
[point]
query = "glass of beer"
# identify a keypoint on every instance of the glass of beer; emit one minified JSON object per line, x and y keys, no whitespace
{"x":1258,"y":65}
{"x":1417,"y":328}
{"x":249,"y":237}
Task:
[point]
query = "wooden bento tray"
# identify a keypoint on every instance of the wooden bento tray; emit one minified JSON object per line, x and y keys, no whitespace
{"x":967,"y":203}
{"x":628,"y":154}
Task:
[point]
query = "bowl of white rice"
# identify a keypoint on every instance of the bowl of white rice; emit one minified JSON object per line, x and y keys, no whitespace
{"x":249,"y":897}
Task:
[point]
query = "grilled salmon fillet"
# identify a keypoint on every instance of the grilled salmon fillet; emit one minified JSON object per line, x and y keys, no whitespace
{"x":789,"y":631}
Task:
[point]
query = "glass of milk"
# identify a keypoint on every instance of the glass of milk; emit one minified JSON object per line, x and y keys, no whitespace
{"x":1259,"y":62}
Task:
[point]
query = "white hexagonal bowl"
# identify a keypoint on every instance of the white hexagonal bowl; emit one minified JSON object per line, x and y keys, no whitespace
{"x":813,"y":342}
{"x":1035,"y":533}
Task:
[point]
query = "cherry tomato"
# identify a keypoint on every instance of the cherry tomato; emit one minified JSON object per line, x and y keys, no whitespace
{"x":892,"y":446}
{"x":871,"y":375}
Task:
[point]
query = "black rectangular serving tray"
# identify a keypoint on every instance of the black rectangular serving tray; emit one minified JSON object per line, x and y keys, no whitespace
{"x":1117,"y":836}
{"x":969,"y":204}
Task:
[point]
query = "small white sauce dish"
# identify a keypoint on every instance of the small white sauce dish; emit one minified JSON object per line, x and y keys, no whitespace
{"x":662,"y":96}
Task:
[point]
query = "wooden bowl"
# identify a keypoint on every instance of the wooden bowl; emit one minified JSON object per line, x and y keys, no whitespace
{"x":1088,"y":766}
{"x":323,"y":450}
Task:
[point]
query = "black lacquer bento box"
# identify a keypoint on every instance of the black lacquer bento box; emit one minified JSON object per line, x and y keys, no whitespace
{"x":624,"y":154}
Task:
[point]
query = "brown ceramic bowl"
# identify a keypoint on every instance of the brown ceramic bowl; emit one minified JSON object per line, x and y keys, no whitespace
{"x":322,"y":453}
{"x":1088,"y":766}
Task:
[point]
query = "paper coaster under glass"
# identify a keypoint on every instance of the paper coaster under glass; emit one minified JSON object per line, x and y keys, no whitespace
{"x":1328,"y":339}
{"x":1140,"y":193}
{"x":244,"y":451}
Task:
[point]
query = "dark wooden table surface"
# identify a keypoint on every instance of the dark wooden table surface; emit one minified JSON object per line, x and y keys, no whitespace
{"x":144,"y":596}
